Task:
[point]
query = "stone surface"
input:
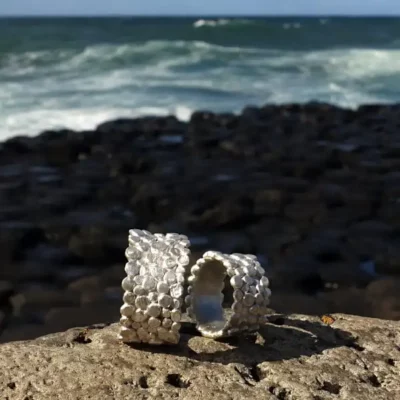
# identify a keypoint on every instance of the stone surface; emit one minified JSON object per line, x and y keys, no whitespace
{"x":6,"y":291}
{"x":294,"y":357}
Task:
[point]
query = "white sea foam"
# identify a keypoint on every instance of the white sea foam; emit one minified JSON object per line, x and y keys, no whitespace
{"x":292,"y":25}
{"x":220,"y":22}
{"x":21,"y":61}
{"x":30,"y":123}
{"x":204,"y":22}
{"x":346,"y":64}
{"x":80,"y":90}
{"x":183,"y":113}
{"x":364,"y":63}
{"x":97,"y":57}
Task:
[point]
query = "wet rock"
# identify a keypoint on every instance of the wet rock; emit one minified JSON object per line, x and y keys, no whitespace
{"x":390,"y":212}
{"x":285,"y":302}
{"x":122,"y":125}
{"x":86,"y":284}
{"x":2,"y":319}
{"x":131,"y":129}
{"x":327,"y":246}
{"x":294,"y":185}
{"x":26,"y":304}
{"x":91,"y":297}
{"x":125,"y":164}
{"x":16,"y":236}
{"x":333,"y":195}
{"x":6,"y":291}
{"x":305,"y":214}
{"x":152,"y":198}
{"x":25,"y":331}
{"x":113,"y":294}
{"x":383,"y":295}
{"x":272,"y":237}
{"x":47,"y":254}
{"x":349,"y":299}
{"x":206,"y":130}
{"x":374,"y":228}
{"x":61,"y":318}
{"x":20,"y":145}
{"x":29,"y":270}
{"x":226,"y":214}
{"x":199,"y":242}
{"x":94,"y":245}
{"x":13,"y":213}
{"x":269,"y":202}
{"x":388,"y":260}
{"x":342,"y":176}
{"x":344,"y":274}
{"x":71,"y":273}
{"x":11,"y":172}
{"x":7,"y":249}
{"x":228,"y":242}
{"x":112,"y":275}
{"x":277,"y":181}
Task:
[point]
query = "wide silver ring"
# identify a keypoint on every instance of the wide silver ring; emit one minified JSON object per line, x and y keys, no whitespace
{"x":251,"y":294}
{"x":153,"y":287}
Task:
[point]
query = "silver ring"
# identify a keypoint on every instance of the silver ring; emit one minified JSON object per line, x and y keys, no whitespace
{"x":154,"y":287}
{"x":251,"y":294}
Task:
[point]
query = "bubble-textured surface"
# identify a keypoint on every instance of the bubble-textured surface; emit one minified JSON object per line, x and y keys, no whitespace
{"x":251,"y":294}
{"x":153,"y":287}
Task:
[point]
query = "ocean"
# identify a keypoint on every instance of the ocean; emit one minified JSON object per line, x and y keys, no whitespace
{"x":78,"y":72}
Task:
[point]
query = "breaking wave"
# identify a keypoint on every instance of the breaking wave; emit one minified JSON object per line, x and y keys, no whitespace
{"x":82,"y":82}
{"x":201,"y":23}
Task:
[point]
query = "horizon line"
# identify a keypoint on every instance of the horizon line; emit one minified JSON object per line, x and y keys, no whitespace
{"x":199,"y":16}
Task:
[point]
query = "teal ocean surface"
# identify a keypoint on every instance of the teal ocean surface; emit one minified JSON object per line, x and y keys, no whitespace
{"x":79,"y":72}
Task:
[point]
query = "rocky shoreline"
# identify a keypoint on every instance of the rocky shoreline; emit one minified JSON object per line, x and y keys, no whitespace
{"x":315,"y":188}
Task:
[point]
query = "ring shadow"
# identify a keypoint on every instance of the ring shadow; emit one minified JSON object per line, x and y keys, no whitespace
{"x":282,"y":338}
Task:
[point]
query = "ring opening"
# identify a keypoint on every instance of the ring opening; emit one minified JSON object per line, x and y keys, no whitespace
{"x":207,"y":299}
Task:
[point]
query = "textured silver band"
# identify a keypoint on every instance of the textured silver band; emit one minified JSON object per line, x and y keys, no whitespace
{"x":251,"y":294}
{"x":154,"y":287}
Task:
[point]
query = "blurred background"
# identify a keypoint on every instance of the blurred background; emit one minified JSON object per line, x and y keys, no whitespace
{"x":271,"y":135}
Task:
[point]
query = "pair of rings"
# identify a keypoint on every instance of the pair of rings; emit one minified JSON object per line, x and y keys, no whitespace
{"x":158,"y":290}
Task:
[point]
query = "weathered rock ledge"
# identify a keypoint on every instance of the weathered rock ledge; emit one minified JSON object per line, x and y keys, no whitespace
{"x":293,"y":357}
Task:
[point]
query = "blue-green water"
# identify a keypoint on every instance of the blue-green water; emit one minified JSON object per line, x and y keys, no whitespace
{"x":76,"y":73}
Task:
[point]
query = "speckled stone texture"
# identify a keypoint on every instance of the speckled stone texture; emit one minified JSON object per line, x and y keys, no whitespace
{"x":294,"y":357}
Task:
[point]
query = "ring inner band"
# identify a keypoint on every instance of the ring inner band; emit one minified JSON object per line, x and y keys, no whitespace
{"x":208,"y":298}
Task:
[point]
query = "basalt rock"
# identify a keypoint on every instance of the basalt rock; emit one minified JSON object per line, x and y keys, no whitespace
{"x":312,"y":187}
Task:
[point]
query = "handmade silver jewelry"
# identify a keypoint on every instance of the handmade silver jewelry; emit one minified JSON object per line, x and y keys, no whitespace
{"x":251,"y":294}
{"x":153,"y":287}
